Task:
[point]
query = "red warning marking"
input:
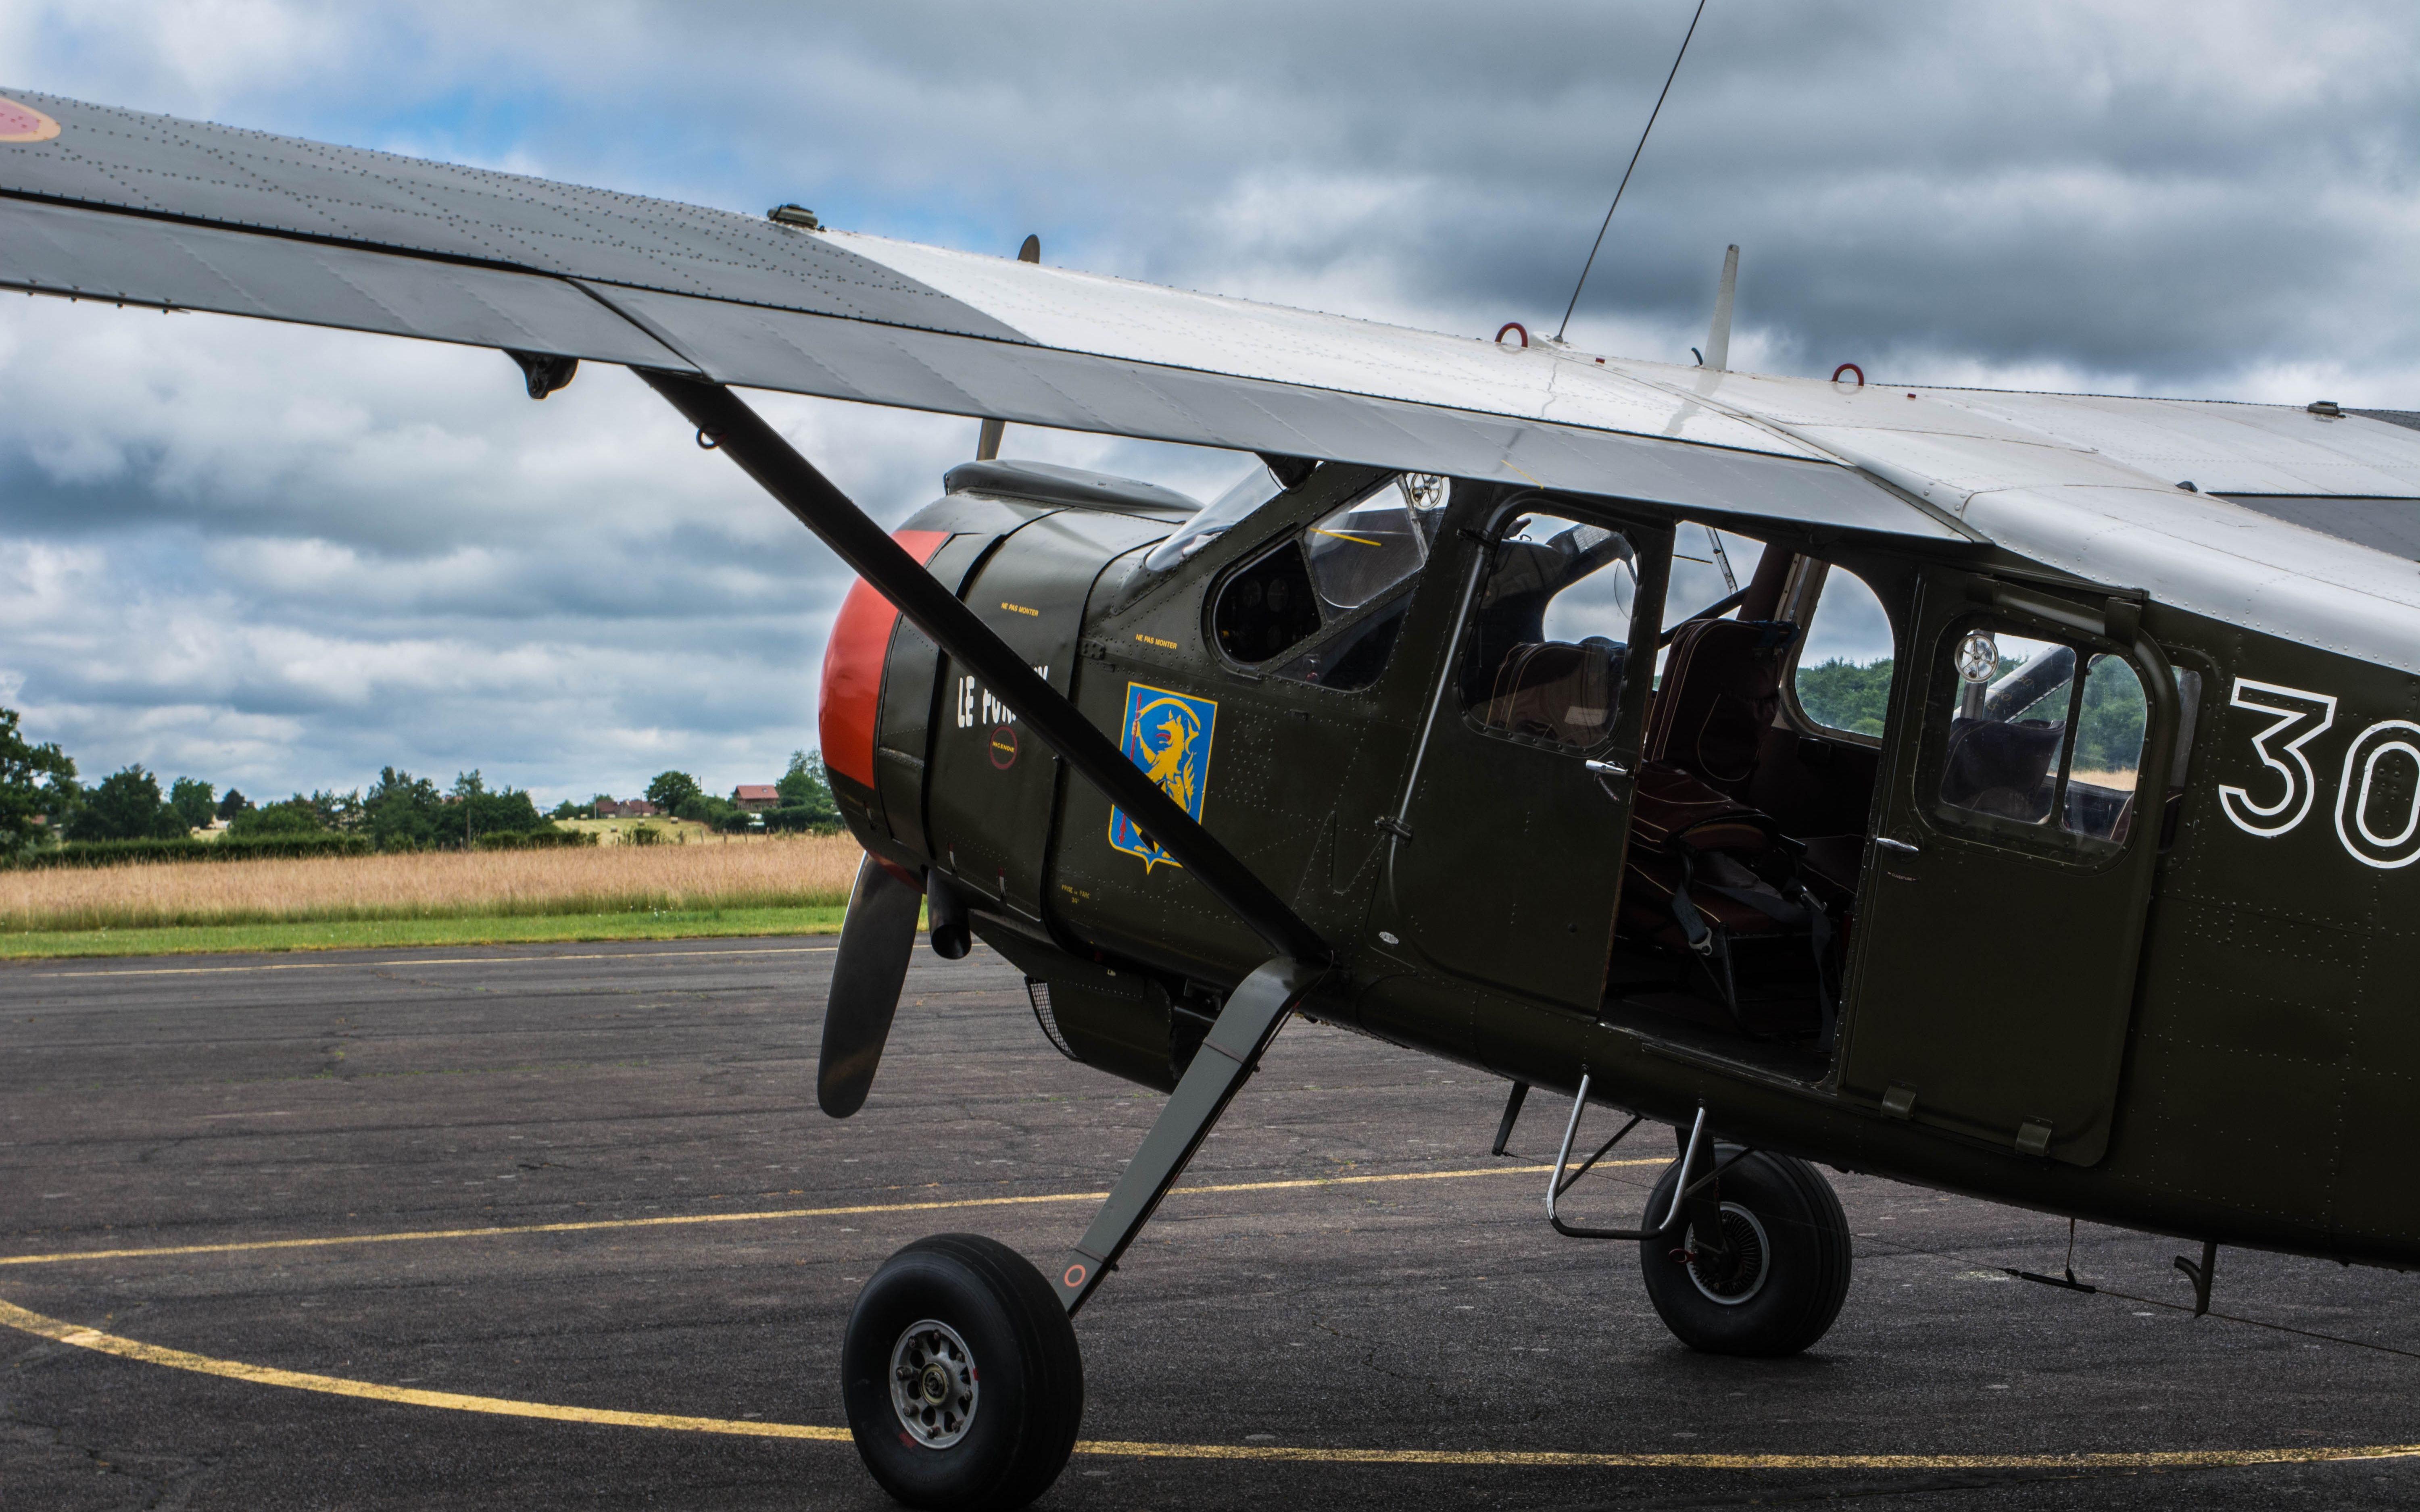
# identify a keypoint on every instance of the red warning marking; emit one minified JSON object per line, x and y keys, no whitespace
{"x":1003,"y":747}
{"x":23,"y":123}
{"x":1075,"y":1276}
{"x":853,"y":662}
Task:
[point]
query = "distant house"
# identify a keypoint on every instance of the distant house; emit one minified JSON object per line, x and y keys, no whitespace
{"x":626,"y":809}
{"x":756,"y":797}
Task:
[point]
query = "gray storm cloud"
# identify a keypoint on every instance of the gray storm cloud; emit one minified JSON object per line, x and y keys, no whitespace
{"x":283,"y":557}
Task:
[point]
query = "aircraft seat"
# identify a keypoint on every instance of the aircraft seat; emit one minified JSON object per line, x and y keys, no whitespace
{"x":1712,"y":881}
{"x":1834,"y":862}
{"x":1557,"y":691}
{"x":1721,"y":687}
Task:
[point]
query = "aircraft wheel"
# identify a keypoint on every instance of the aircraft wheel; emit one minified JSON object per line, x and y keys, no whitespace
{"x":1789,"y":1267}
{"x":961,"y":1377}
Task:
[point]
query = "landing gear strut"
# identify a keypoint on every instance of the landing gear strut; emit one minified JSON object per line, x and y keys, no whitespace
{"x":960,"y":1369}
{"x":1747,"y":1252}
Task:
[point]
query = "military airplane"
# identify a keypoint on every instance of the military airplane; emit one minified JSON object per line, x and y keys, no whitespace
{"x":2107,"y":910}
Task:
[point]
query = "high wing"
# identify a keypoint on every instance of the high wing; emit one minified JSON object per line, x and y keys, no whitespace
{"x":107,"y":204}
{"x":146,"y":210}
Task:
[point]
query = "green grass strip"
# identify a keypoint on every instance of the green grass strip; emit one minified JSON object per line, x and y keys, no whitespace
{"x":359,"y":934}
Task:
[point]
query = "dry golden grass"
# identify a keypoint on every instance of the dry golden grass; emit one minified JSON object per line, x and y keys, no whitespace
{"x":767,"y":872}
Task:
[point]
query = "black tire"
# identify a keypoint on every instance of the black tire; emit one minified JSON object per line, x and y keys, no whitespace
{"x":1012,"y":1370}
{"x":1791,"y":1272}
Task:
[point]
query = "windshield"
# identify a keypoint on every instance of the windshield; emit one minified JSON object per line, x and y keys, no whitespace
{"x":1252,"y":490}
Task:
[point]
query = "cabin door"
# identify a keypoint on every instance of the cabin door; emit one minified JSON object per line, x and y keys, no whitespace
{"x":2002,"y":902}
{"x":1506,"y":846}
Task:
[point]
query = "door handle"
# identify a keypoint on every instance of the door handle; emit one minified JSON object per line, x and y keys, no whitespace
{"x":1608,"y":769}
{"x":1899,"y":845}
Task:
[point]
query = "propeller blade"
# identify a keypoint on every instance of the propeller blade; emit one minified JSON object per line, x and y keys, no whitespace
{"x":987,"y":444}
{"x":877,"y":936}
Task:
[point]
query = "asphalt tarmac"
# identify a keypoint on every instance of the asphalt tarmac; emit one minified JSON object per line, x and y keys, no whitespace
{"x":1369,"y":1280}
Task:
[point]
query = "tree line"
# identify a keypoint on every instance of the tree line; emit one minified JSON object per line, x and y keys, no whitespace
{"x":43,"y":802}
{"x":805,"y":800}
{"x":1855,"y":697}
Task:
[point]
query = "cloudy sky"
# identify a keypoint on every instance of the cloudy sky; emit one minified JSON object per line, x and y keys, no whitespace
{"x":283,"y":558}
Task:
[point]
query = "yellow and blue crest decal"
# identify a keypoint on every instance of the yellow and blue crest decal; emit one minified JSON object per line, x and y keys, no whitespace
{"x":1168,"y":735}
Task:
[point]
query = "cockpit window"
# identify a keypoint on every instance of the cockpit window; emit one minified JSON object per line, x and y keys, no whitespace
{"x":1376,"y":541}
{"x":2031,"y":742}
{"x":1549,"y":642}
{"x":1325,"y":578}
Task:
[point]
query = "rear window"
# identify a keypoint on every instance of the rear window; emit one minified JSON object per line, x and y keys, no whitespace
{"x":1843,"y":680}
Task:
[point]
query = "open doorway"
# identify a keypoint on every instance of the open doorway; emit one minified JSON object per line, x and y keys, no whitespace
{"x":1749,"y":828}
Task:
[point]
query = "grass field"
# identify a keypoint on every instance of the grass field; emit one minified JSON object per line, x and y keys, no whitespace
{"x":379,"y":933}
{"x":667,"y":831}
{"x":768,"y":884}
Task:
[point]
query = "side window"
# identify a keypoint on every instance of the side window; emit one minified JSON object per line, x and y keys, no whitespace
{"x":1843,"y":677}
{"x":1328,"y":579}
{"x":2030,"y":742}
{"x":1549,"y":640}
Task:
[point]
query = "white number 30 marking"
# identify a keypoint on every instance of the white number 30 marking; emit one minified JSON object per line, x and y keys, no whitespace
{"x":2314,"y":713}
{"x":2372,"y":791}
{"x":2388,"y":737}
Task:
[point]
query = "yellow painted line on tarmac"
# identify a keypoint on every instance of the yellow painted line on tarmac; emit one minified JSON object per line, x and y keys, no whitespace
{"x":260,"y":1375}
{"x":592,"y":1225}
{"x":1582,"y":1460}
{"x":437,"y":960}
{"x":81,"y":1337}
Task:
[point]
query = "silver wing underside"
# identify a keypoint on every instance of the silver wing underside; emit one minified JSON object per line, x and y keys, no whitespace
{"x":146,"y":209}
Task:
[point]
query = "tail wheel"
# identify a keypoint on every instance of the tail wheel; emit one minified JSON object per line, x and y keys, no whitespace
{"x":1776,"y":1283}
{"x":961,"y":1377}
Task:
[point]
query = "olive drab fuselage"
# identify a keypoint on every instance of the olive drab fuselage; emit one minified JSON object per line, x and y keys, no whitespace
{"x":2203,"y":1030}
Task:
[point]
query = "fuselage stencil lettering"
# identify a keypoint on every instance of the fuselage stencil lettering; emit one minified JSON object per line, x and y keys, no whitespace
{"x":977,"y":709}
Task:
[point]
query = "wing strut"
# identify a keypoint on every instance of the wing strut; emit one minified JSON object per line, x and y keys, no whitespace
{"x":723,"y":420}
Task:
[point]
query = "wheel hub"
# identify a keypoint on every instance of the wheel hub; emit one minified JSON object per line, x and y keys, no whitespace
{"x":935,"y":1387}
{"x":1738,"y":1275}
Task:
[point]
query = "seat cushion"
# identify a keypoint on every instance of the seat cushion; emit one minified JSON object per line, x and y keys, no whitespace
{"x":1672,"y":809}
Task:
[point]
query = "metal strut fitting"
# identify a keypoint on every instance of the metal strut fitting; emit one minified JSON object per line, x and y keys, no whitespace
{"x":1697,"y":1170}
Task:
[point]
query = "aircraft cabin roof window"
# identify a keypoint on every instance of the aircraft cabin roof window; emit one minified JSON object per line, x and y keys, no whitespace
{"x":1247,"y":493}
{"x":1325,"y":578}
{"x":1842,"y":679}
{"x":1708,"y":566}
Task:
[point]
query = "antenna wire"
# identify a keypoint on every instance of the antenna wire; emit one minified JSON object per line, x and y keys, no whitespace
{"x":1626,"y":172}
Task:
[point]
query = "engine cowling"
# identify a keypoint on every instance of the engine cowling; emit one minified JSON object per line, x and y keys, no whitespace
{"x":936,"y":777}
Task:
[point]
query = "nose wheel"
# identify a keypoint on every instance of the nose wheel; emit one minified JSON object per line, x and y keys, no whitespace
{"x":961,"y":1377}
{"x":1773,"y":1279}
